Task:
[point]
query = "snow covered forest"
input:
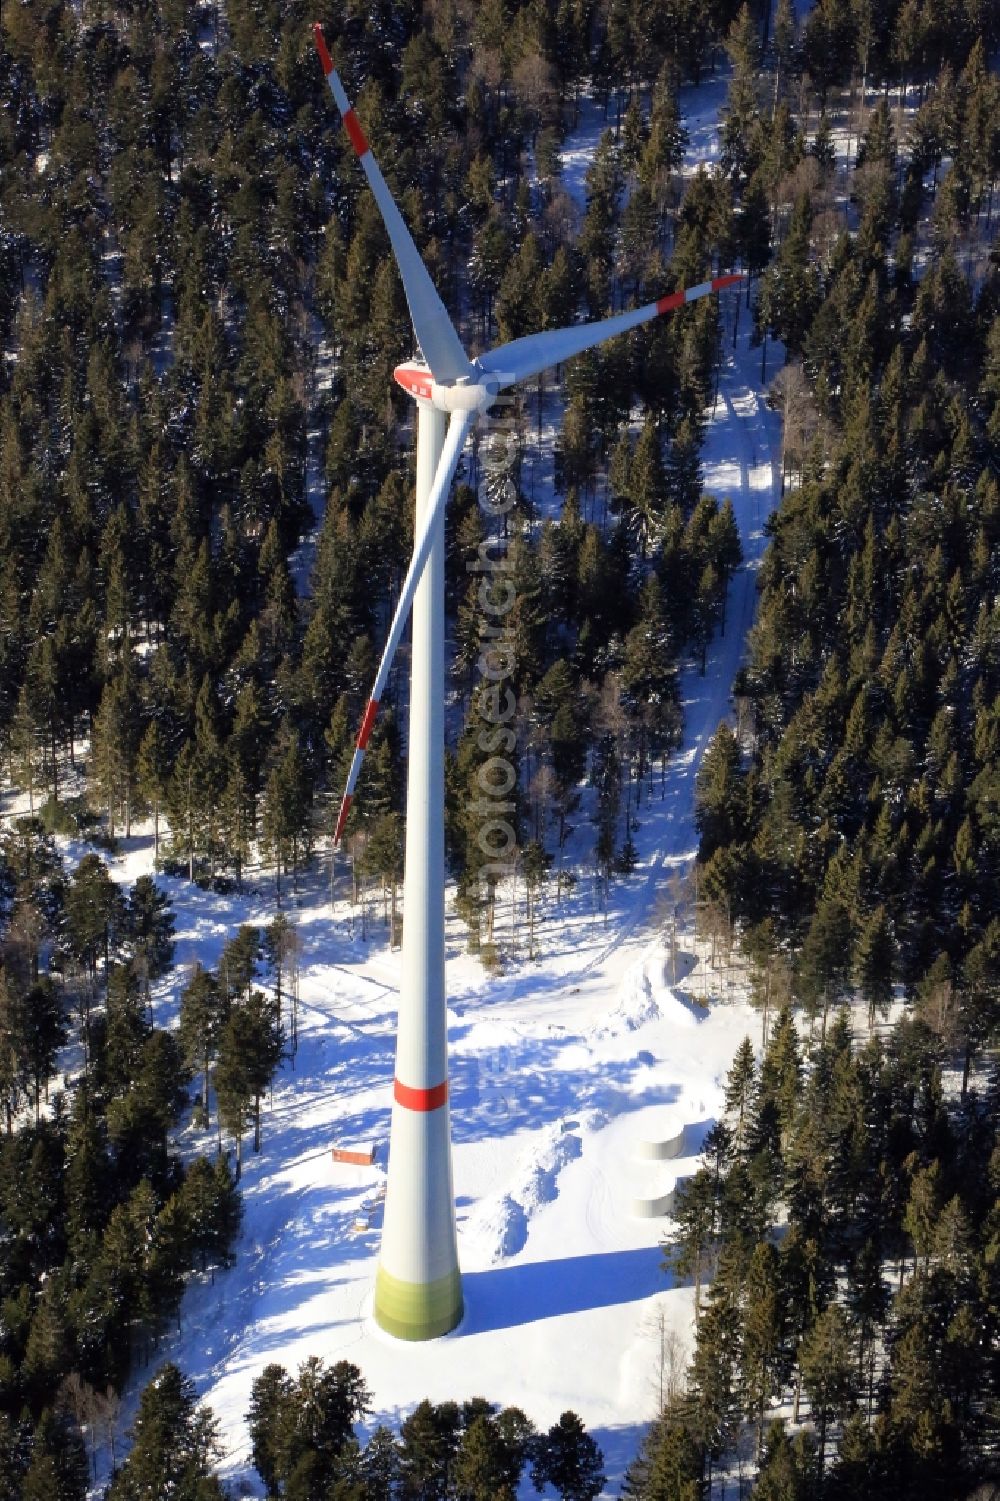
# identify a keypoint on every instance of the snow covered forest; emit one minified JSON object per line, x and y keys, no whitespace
{"x":205,"y":514}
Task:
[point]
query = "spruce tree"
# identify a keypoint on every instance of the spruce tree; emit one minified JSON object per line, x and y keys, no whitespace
{"x":149,"y":930}
{"x":785,"y":1472}
{"x":126,"y":1031}
{"x":250,"y":1046}
{"x":94,"y":913}
{"x":569,"y":1460}
{"x":42,"y":1034}
{"x":380,"y":1464}
{"x":670,"y":1465}
{"x":152,"y":773}
{"x":58,"y":1465}
{"x":428,"y":1441}
{"x":695,"y":1213}
{"x":721,"y":796}
{"x":763,"y":1353}
{"x":287,"y":812}
{"x":490,"y":1456}
{"x":740,"y":1090}
{"x":174,"y":1445}
{"x":212,"y":1210}
{"x":203,"y":1012}
{"x":827,"y":1360}
{"x":269,"y":1421}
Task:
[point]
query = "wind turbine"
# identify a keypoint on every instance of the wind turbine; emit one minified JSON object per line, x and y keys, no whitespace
{"x":418,"y":1290}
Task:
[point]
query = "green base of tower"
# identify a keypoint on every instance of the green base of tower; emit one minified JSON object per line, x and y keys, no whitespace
{"x":417,"y":1310}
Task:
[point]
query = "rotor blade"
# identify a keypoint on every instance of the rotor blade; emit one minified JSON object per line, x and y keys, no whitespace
{"x":440,"y":344}
{"x":458,"y":430}
{"x":523,"y":358}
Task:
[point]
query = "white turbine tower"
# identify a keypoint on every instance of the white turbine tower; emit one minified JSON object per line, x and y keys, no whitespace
{"x":418,"y":1290}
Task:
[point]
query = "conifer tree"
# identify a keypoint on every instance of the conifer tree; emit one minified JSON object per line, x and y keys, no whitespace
{"x":47,"y":1350}
{"x":490,"y":1456}
{"x":126,"y":1031}
{"x":379,"y":1464}
{"x":781,"y":1070}
{"x":94,"y":913}
{"x":25,"y":748}
{"x":741,"y":111}
{"x":827,"y":1362}
{"x":569,"y":1460}
{"x":44,"y":687}
{"x":174,"y":1444}
{"x":714,"y":1373}
{"x":301,"y":1429}
{"x":428,"y":1442}
{"x":212,"y":1211}
{"x":281,"y":945}
{"x":721,"y":794}
{"x":287,"y":812}
{"x":152,"y":773}
{"x":763,"y":1354}
{"x":58,"y":1465}
{"x":789,"y":291}
{"x":42,"y":1033}
{"x":695,"y":1212}
{"x":671,"y":1461}
{"x":683,"y":466}
{"x":203,"y":1011}
{"x":149,"y":930}
{"x":13,"y":1026}
{"x":383,"y":856}
{"x":181,"y":806}
{"x":786,"y":1471}
{"x":873,"y":961}
{"x":239,"y":964}
{"x":250,"y":1046}
{"x":88,"y":1169}
{"x":740,"y":1089}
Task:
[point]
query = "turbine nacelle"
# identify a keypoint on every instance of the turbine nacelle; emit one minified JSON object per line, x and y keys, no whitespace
{"x":462,"y":395}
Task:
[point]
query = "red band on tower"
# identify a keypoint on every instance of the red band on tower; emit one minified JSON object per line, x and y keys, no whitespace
{"x":421,"y":1099}
{"x":667,"y":304}
{"x":366,"y":723}
{"x":355,"y":132}
{"x":325,"y":59}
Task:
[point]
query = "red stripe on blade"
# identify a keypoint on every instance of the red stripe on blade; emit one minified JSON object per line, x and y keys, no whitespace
{"x":725,"y":281}
{"x":421,"y":1099}
{"x":667,"y":304}
{"x":355,"y":132}
{"x":345,"y":808}
{"x":366,"y":723}
{"x":325,"y":59}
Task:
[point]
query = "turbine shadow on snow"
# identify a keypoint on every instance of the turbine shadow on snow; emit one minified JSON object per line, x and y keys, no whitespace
{"x":504,"y":1297}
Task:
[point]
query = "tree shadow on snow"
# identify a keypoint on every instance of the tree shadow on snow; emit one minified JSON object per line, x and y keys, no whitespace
{"x":619,"y":1445}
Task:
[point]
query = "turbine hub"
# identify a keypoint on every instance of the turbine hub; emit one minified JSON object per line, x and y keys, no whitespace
{"x":473,"y":393}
